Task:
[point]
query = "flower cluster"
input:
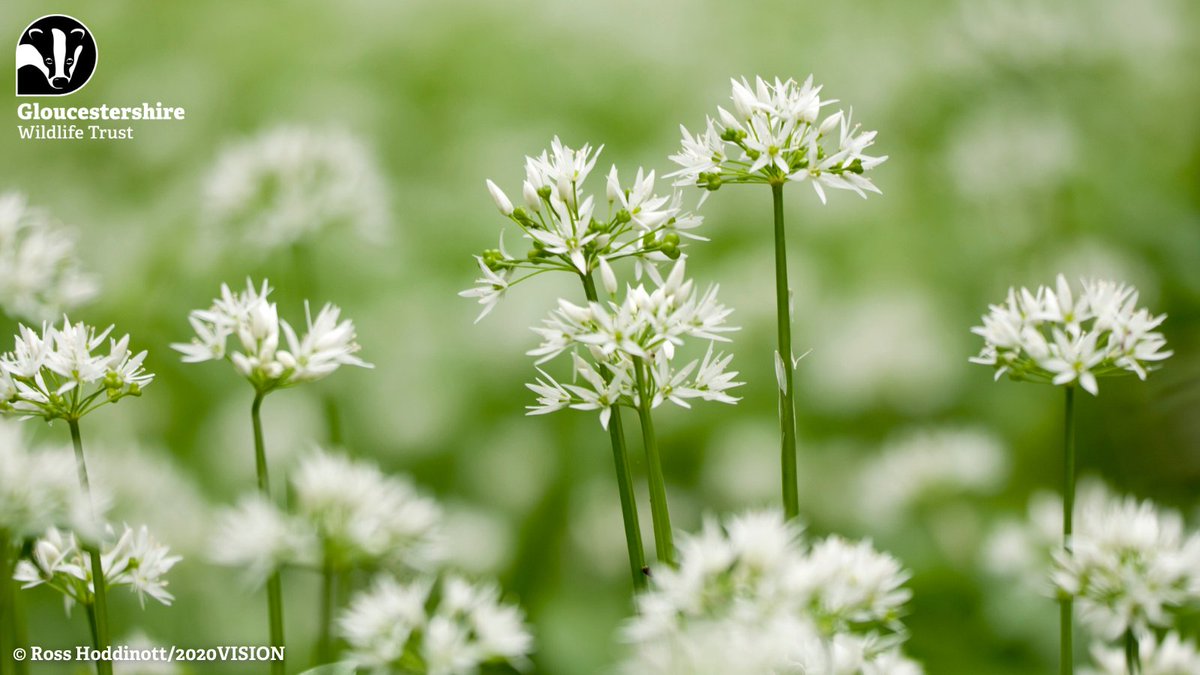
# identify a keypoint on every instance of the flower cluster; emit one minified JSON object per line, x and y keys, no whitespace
{"x":751,"y":596}
{"x":346,"y":514}
{"x":57,"y":373}
{"x":263,"y":360}
{"x":633,"y":344}
{"x":40,"y":275}
{"x":396,"y":627}
{"x":1172,"y":655}
{"x":38,"y":490}
{"x":775,"y":134}
{"x":1065,"y":338}
{"x":290,"y":183}
{"x":566,"y":230}
{"x":1131,"y":565}
{"x":134,"y":559}
{"x":924,"y":466}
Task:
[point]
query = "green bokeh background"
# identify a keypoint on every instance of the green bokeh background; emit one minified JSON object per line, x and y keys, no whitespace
{"x":1025,"y":139}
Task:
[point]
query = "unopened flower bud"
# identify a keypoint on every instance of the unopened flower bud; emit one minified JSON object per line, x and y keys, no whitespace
{"x":608,"y":277}
{"x":501,"y":199}
{"x":531,"y":197}
{"x":623,"y":216}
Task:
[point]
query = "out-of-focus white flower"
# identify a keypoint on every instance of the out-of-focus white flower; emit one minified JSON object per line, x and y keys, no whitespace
{"x":1172,"y":655}
{"x":134,"y":559}
{"x":362,"y":516}
{"x":290,"y":183}
{"x":466,"y":626}
{"x":38,"y":488}
{"x":58,"y":374}
{"x":632,"y":345}
{"x":1129,"y":567}
{"x":328,"y":343}
{"x":1067,"y":337}
{"x":774,"y":134}
{"x":749,"y":596}
{"x":928,"y":465}
{"x":259,"y":538}
{"x":568,"y":232}
{"x":40,"y":275}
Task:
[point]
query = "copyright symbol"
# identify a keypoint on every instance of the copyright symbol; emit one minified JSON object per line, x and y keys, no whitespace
{"x":18,"y":654}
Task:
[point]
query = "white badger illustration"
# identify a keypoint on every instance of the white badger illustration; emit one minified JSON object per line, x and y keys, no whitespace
{"x":58,"y":68}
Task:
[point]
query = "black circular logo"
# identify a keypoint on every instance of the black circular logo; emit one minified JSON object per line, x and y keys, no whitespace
{"x":56,"y":55}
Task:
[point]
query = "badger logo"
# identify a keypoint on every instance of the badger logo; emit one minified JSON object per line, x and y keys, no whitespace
{"x":56,"y":55}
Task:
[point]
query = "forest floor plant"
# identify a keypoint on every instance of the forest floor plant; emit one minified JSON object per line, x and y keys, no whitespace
{"x":775,"y":136}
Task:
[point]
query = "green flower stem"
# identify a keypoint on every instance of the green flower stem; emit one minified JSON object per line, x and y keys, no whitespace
{"x":787,"y":404}
{"x":663,"y":544}
{"x":616,"y":432}
{"x":325,"y":620}
{"x":98,"y":610}
{"x":1133,"y":658}
{"x":7,"y":611}
{"x":274,"y":585}
{"x":1066,"y":610}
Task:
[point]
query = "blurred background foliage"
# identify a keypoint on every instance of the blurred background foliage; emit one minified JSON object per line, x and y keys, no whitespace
{"x":1026,"y":138}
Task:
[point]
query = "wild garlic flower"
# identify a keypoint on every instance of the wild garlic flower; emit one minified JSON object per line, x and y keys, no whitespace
{"x":1062,"y":337}
{"x":134,"y":559}
{"x":1170,"y":655}
{"x":260,"y":539}
{"x":57,"y":374}
{"x":40,"y":274}
{"x":921,"y":467}
{"x":1131,"y":566}
{"x":395,"y":627}
{"x":363,"y":517}
{"x":774,"y":134}
{"x":290,"y":183}
{"x":38,"y":488}
{"x":751,"y":596}
{"x":268,"y":352}
{"x":634,"y":342}
{"x":568,"y":232}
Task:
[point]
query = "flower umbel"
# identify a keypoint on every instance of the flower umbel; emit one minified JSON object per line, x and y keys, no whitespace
{"x":1067,"y":337}
{"x":258,"y":354}
{"x":40,"y":275}
{"x":61,"y":373}
{"x":775,"y":134}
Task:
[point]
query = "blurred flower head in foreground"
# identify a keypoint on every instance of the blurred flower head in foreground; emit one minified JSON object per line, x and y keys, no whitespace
{"x":775,"y":134}
{"x":329,"y":343}
{"x":1063,"y":337}
{"x":396,"y":626}
{"x":751,"y":596}
{"x":38,"y":488}
{"x":40,"y":275}
{"x":1171,"y":655}
{"x":290,"y":183}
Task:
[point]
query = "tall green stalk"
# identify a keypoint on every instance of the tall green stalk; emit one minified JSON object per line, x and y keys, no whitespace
{"x":7,"y":611}
{"x":1066,"y":610}
{"x":325,"y":619}
{"x":664,"y":545}
{"x":99,"y":607}
{"x":616,"y":432}
{"x":783,"y":320}
{"x":274,"y":585}
{"x":1133,"y":658}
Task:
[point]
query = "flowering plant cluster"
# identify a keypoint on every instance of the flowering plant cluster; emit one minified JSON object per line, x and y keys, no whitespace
{"x":287,"y":184}
{"x":258,"y":354}
{"x":38,"y":489}
{"x":40,"y":274}
{"x":58,"y":373}
{"x":407,"y":627}
{"x":1065,"y":337}
{"x":134,"y":559}
{"x":632,"y":348}
{"x":568,"y":232}
{"x":751,"y":595}
{"x":345,"y":513}
{"x":775,"y":134}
